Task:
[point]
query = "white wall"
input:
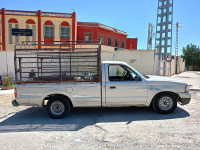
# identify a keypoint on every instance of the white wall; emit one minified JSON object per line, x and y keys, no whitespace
{"x":180,"y":66}
{"x":7,"y":61}
{"x":141,"y":60}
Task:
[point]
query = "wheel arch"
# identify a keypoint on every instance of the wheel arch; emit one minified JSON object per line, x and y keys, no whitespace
{"x":47,"y":98}
{"x":165,"y":92}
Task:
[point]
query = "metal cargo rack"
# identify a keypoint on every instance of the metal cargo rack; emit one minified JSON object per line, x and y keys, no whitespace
{"x":57,"y":61}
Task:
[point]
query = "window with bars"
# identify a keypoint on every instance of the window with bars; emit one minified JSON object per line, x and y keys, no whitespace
{"x":34,"y":33}
{"x":16,"y":26}
{"x":49,"y":31}
{"x":116,"y":43}
{"x":27,"y":37}
{"x":109,"y":41}
{"x":123,"y":44}
{"x":33,"y":27}
{"x":88,"y":37}
{"x":65,"y":32}
{"x":101,"y":38}
{"x":17,"y":37}
{"x":10,"y":34}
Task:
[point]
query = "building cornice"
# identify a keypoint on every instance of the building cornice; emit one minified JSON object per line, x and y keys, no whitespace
{"x":95,"y":24}
{"x":35,"y":13}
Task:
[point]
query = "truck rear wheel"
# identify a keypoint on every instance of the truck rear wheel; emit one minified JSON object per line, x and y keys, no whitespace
{"x":58,"y":107}
{"x":165,"y":103}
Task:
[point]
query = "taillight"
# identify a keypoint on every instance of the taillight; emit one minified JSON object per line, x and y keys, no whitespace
{"x":15,"y":92}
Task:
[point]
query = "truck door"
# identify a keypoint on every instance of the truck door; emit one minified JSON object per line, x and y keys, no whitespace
{"x":124,"y":87}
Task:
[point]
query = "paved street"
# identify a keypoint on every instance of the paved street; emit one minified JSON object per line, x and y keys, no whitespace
{"x":108,"y":128}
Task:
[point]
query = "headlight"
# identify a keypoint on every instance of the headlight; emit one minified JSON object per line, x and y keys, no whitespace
{"x":187,"y":88}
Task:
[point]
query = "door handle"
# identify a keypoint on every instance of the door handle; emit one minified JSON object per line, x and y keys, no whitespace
{"x":112,"y":87}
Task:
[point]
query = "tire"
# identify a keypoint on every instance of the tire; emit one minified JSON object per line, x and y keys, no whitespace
{"x":58,"y":107}
{"x":165,"y":103}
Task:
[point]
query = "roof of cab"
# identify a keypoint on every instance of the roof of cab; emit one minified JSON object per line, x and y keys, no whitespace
{"x":114,"y":62}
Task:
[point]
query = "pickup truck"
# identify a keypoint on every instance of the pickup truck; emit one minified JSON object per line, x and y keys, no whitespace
{"x":120,"y":86}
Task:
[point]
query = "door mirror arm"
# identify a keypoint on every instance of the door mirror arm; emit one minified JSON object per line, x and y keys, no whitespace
{"x":137,"y":78}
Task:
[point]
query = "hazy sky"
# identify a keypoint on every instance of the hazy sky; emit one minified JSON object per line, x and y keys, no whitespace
{"x":131,"y":16}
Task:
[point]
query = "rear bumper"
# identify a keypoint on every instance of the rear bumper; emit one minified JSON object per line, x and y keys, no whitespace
{"x":15,"y":103}
{"x":184,"y":98}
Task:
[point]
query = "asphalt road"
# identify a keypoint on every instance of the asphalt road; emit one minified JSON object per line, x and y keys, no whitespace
{"x":107,"y":128}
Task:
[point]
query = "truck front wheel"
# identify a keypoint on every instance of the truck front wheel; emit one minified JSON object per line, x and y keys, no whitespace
{"x":165,"y":103}
{"x":58,"y":107}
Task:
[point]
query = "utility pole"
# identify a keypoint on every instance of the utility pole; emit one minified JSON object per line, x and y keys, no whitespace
{"x":150,"y":37}
{"x":163,"y":41}
{"x":176,"y":47}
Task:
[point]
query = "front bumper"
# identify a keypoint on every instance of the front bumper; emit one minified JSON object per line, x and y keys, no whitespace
{"x":185,"y":98}
{"x":15,"y":103}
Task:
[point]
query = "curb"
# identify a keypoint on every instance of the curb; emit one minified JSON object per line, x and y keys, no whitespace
{"x":7,"y":91}
{"x":194,"y":89}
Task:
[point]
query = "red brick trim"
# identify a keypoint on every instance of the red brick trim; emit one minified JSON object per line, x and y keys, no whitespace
{"x":74,"y":28}
{"x":39,"y":29}
{"x":48,"y":40}
{"x":30,"y":21}
{"x":64,"y":23}
{"x":12,"y":20}
{"x":48,"y":22}
{"x":3,"y":29}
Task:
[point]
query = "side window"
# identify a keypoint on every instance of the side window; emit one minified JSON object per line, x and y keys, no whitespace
{"x":120,"y":73}
{"x":116,"y":71}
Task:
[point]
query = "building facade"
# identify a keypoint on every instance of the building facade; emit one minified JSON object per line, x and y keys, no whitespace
{"x":45,"y":26}
{"x":88,"y":31}
{"x":49,"y":26}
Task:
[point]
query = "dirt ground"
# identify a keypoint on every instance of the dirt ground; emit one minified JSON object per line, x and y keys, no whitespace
{"x":102,"y":128}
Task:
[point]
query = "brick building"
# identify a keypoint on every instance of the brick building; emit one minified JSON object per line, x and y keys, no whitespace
{"x":87,"y":31}
{"x":50,"y":26}
{"x":45,"y":26}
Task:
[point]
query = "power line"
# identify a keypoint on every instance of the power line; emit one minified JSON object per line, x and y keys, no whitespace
{"x":150,"y":36}
{"x":176,"y":46}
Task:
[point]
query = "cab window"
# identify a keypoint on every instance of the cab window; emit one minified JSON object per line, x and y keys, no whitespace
{"x":120,"y":73}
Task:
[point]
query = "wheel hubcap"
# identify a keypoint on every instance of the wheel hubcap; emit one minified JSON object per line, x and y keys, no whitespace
{"x":57,"y":108}
{"x":165,"y":103}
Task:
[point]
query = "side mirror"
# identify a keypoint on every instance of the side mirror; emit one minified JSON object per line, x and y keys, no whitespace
{"x":137,"y":78}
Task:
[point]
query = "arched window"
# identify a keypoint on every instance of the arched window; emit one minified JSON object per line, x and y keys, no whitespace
{"x":65,"y":30}
{"x":48,"y":29}
{"x":30,"y":24}
{"x":13,"y":24}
